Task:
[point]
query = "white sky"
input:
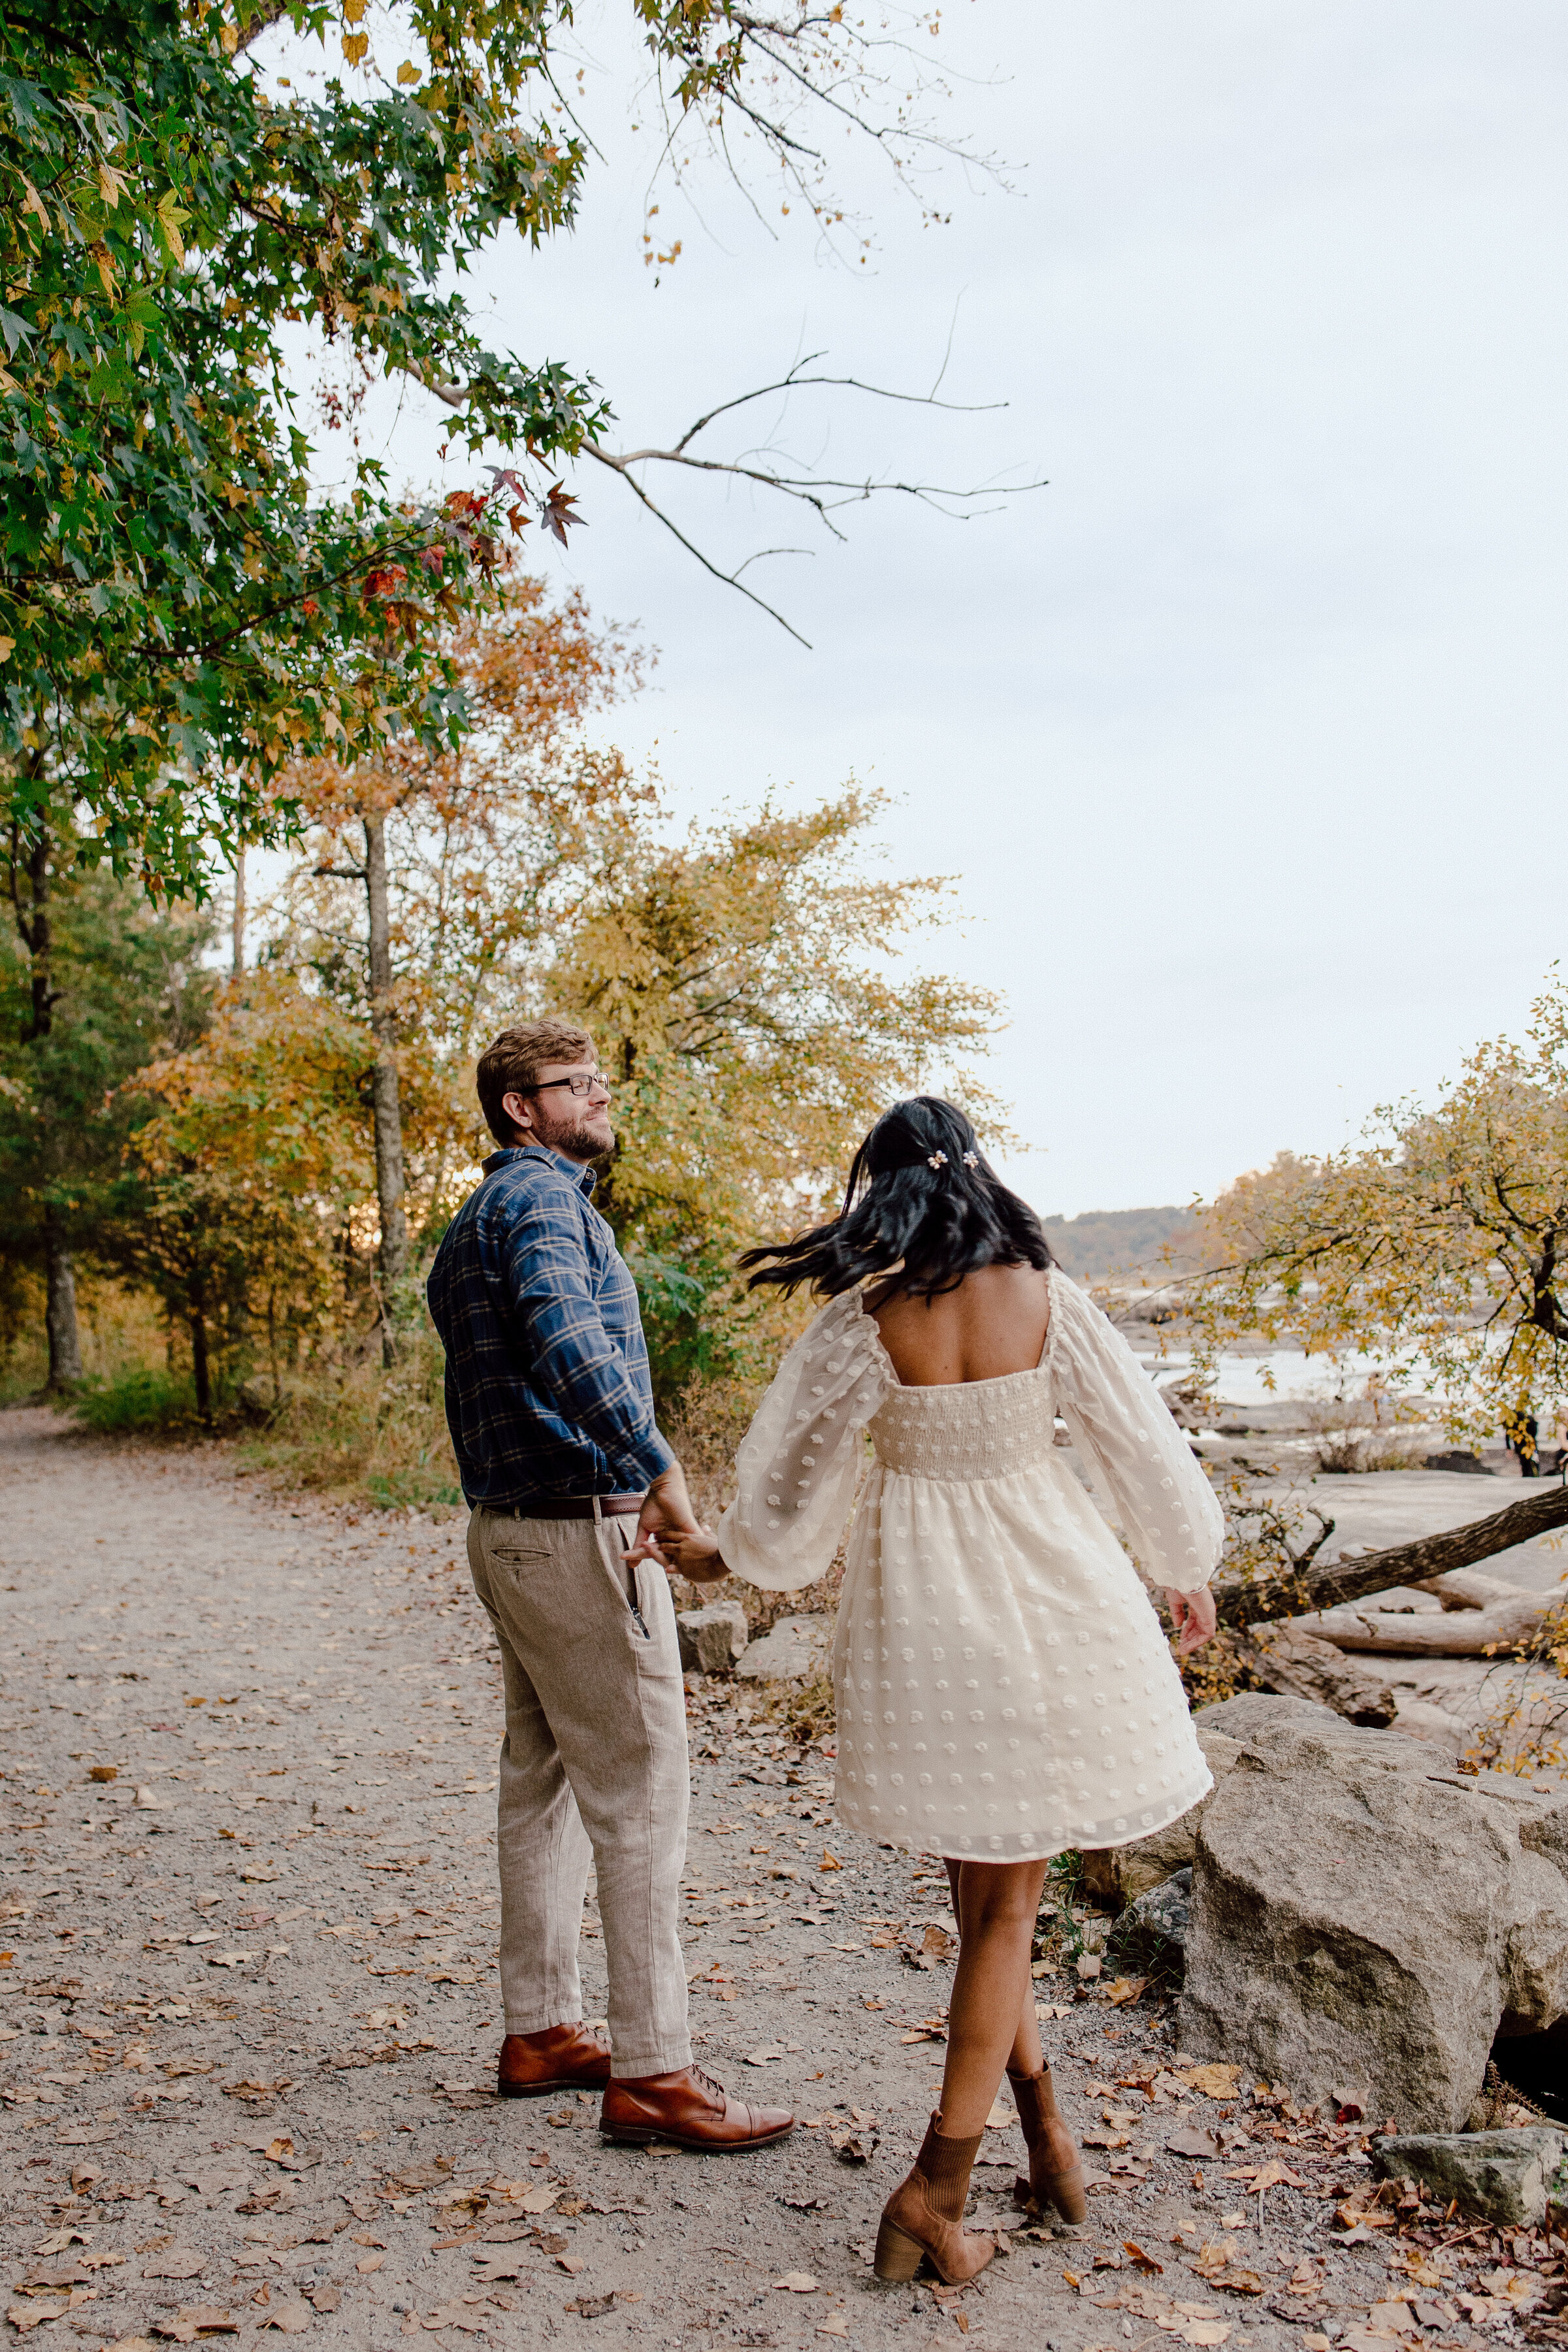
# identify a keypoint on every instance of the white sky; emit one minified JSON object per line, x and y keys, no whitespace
{"x":1242,"y":738}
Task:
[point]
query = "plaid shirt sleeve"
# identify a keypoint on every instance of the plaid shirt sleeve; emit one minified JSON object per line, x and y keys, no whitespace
{"x":552,"y":1294}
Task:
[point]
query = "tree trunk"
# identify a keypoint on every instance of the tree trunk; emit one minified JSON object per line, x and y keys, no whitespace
{"x":201,"y":1367}
{"x":36,"y":929}
{"x":60,"y":1308}
{"x":392,"y":1257}
{"x":1378,"y":1572}
{"x":236,"y":926}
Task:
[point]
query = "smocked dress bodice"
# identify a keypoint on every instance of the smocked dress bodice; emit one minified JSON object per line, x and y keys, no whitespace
{"x":971,"y":1429}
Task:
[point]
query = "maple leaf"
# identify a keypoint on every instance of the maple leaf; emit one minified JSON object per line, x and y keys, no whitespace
{"x":555,"y":514}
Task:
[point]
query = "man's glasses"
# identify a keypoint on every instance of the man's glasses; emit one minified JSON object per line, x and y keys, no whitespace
{"x":580,"y":1087}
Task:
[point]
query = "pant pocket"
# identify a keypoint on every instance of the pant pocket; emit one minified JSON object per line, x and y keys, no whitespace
{"x":658,"y":1650}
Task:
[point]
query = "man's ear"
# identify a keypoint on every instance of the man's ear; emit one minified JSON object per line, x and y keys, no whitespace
{"x":517,"y":1110}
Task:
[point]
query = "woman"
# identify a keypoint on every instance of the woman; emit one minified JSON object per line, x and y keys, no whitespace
{"x":1004,"y":1690}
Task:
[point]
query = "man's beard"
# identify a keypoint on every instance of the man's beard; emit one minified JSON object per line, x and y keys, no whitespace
{"x":576,"y":1141}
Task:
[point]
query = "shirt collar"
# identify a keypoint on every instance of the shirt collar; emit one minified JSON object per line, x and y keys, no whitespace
{"x":584,"y":1177}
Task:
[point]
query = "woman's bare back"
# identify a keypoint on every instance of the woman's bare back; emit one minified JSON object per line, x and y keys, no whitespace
{"x":994,"y":1323}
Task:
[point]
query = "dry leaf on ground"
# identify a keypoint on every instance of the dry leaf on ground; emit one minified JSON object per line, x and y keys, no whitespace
{"x":290,"y":2318}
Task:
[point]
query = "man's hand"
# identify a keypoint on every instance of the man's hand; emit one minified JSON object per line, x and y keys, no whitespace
{"x":695,"y":1557}
{"x":667,"y":1510}
{"x":1193,"y":1616}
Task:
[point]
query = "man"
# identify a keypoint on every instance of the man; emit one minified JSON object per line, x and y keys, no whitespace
{"x":551,"y":1411}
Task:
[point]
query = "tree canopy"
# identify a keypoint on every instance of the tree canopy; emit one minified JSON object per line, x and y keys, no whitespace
{"x":1439,"y":1240}
{"x":182,"y":614}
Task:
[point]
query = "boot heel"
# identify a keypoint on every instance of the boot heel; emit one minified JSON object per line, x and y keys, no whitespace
{"x":898,"y":2255}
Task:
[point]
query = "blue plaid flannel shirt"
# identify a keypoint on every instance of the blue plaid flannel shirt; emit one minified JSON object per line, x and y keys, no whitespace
{"x":547,"y":1381}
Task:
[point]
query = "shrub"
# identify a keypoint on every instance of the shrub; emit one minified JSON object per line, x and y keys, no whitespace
{"x":365,"y":1434}
{"x":138,"y":1397}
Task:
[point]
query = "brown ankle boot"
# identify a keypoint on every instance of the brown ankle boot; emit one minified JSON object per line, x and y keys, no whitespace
{"x":924,"y":2215}
{"x":1055,"y":2174}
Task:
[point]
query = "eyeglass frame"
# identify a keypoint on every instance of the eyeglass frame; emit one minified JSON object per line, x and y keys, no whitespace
{"x":581,"y":1088}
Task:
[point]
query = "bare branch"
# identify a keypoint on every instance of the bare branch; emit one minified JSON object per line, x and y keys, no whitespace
{"x":731,"y":579}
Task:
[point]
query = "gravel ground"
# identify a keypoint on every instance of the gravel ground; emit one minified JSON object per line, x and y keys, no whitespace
{"x":248,"y":2010}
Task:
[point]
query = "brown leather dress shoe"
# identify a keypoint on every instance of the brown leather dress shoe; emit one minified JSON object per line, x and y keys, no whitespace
{"x":562,"y":2058}
{"x":687,"y":2109}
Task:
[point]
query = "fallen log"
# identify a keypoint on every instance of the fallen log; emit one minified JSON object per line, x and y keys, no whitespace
{"x":1296,"y":1593}
{"x":1505,"y":1624}
{"x":1295,"y":1660}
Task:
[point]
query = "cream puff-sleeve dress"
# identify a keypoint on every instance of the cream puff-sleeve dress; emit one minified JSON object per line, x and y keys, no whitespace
{"x":1003,"y":1688}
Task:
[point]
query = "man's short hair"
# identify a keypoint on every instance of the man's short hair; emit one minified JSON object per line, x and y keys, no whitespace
{"x":510,"y":1065}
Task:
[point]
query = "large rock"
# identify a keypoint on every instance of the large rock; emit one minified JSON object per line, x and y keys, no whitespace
{"x":711,"y":1638}
{"x":796,"y":1651}
{"x":1363,"y":1913}
{"x":1509,"y":2176}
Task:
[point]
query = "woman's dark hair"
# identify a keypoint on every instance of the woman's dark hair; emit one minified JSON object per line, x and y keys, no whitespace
{"x":920,"y":1195}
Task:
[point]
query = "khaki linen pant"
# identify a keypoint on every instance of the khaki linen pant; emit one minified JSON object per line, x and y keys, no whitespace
{"x":594,"y":1765}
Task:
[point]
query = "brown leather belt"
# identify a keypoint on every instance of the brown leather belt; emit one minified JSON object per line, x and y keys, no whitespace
{"x":572,"y":1507}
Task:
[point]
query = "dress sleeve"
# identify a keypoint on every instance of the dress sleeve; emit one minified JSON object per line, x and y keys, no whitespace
{"x":800,"y":1462}
{"x":1141,"y":1465}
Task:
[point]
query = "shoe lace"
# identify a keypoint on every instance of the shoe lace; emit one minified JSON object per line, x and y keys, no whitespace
{"x":699,"y":2076}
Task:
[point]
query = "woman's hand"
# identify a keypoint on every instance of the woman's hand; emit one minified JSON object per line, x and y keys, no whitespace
{"x":696,"y":1557}
{"x":1193,"y":1616}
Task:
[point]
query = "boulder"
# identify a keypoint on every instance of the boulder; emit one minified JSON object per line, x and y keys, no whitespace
{"x":796,"y":1651}
{"x":711,"y":1638}
{"x":1362,"y":1911}
{"x":1509,"y":2176}
{"x":1151,"y":1934}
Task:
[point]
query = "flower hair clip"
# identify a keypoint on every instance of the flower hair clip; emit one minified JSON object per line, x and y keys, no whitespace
{"x":972,"y":1160}
{"x":937,"y":1159}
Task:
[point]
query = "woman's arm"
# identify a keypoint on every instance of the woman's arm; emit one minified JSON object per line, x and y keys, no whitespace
{"x":1140,"y":1460}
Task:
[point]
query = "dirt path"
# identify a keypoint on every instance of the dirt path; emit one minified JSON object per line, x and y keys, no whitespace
{"x":249,"y":2007}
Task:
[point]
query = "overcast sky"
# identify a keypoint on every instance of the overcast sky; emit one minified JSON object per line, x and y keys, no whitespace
{"x":1242,"y":738}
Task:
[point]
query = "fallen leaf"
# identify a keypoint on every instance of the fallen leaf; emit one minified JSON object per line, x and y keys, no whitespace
{"x":1126,"y":1990}
{"x":290,"y":2318}
{"x":1213,"y":2081}
{"x":798,"y":2283}
{"x":830,"y":1861}
{"x":178,"y":2262}
{"x":1142,"y":2261}
{"x":538,"y":2200}
{"x":835,"y":2324}
{"x":1192,"y":2140}
{"x":1271,"y":2175}
{"x":764,"y":2057}
{"x":368,"y":2263}
{"x":571,"y":2263}
{"x":1206,"y":2331}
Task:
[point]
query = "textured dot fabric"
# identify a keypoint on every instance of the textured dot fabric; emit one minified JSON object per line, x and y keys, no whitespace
{"x":1003,"y":1688}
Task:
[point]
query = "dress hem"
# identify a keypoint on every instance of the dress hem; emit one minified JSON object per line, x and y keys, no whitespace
{"x":1085,"y":1843}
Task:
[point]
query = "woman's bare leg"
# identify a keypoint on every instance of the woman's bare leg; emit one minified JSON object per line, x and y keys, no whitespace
{"x":996,"y":1905}
{"x":1055,"y":2175}
{"x":1028,"y":2054}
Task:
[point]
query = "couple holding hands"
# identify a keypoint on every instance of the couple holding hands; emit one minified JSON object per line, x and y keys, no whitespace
{"x":1003,"y":1688}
